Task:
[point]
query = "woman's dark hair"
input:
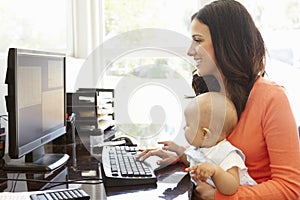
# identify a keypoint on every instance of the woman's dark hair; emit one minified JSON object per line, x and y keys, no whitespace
{"x":203,"y":84}
{"x":238,"y":46}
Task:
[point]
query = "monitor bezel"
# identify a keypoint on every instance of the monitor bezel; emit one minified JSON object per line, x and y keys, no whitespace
{"x":15,"y":150}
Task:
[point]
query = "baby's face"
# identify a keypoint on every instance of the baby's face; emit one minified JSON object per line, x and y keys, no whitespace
{"x":192,"y":131}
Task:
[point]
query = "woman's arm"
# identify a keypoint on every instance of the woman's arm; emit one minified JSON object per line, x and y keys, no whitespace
{"x":269,"y":127}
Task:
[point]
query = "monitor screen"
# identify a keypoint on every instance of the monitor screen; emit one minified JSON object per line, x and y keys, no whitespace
{"x":36,"y":106}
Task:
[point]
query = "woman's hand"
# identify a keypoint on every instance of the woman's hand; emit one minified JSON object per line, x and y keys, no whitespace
{"x":167,"y":157}
{"x":203,"y":191}
{"x":172,"y":146}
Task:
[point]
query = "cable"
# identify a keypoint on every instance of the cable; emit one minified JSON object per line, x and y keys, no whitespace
{"x":4,"y":117}
{"x":79,"y":181}
{"x":15,"y":183}
{"x":51,"y":186}
{"x":58,"y":183}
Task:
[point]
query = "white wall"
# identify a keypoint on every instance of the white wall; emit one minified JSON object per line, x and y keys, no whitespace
{"x":3,"y":87}
{"x":73,"y":69}
{"x":3,"y":93}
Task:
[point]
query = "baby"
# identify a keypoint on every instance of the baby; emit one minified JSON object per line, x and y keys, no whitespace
{"x":210,"y":117}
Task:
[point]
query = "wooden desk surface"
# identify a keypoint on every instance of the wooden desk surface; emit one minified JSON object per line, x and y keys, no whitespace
{"x":173,"y":182}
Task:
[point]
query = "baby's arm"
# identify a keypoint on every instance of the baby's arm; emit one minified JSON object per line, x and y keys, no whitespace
{"x":226,"y":182}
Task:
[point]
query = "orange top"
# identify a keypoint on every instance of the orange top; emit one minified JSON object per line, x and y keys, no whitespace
{"x":268,"y":136}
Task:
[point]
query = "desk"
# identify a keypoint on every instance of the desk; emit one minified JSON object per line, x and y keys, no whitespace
{"x":172,"y":183}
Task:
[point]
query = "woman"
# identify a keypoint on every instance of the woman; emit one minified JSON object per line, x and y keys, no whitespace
{"x":227,"y":45}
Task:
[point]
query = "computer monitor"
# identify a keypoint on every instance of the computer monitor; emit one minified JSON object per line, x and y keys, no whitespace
{"x":36,"y":108}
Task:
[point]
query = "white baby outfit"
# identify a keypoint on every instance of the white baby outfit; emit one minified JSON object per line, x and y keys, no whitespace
{"x":225,"y":155}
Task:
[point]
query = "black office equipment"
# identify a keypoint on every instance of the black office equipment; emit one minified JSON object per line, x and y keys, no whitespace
{"x":2,"y":143}
{"x":121,"y":168}
{"x":93,"y":108}
{"x":74,"y":194}
{"x":128,"y":141}
{"x":36,"y":108}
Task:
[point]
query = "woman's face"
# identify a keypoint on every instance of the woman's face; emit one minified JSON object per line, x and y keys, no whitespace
{"x":202,"y":49}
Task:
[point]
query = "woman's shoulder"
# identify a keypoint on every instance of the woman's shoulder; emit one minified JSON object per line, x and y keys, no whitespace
{"x":263,"y":82}
{"x":265,"y":90}
{"x":267,"y":87}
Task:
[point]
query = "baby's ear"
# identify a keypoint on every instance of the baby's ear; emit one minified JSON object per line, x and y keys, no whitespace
{"x":206,"y":132}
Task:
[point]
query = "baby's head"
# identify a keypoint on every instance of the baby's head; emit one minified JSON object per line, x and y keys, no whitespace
{"x":209,"y":117}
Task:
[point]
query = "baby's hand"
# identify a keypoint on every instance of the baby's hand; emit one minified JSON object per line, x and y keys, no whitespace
{"x":202,"y":171}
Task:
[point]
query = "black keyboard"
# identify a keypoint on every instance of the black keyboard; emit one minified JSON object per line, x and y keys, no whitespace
{"x":75,"y":194}
{"x":120,"y":167}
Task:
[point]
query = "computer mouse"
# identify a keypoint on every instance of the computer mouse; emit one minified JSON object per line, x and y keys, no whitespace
{"x":128,"y":141}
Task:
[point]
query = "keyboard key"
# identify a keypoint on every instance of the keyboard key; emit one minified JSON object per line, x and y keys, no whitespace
{"x":67,"y":194}
{"x":53,"y":196}
{"x":72,"y":193}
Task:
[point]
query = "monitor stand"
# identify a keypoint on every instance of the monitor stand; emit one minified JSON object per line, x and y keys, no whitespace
{"x":37,"y":161}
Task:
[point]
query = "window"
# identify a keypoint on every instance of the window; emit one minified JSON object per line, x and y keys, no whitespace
{"x":279,"y":23}
{"x":33,"y":24}
{"x":145,"y":76}
{"x":30,"y":24}
{"x":121,"y":16}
